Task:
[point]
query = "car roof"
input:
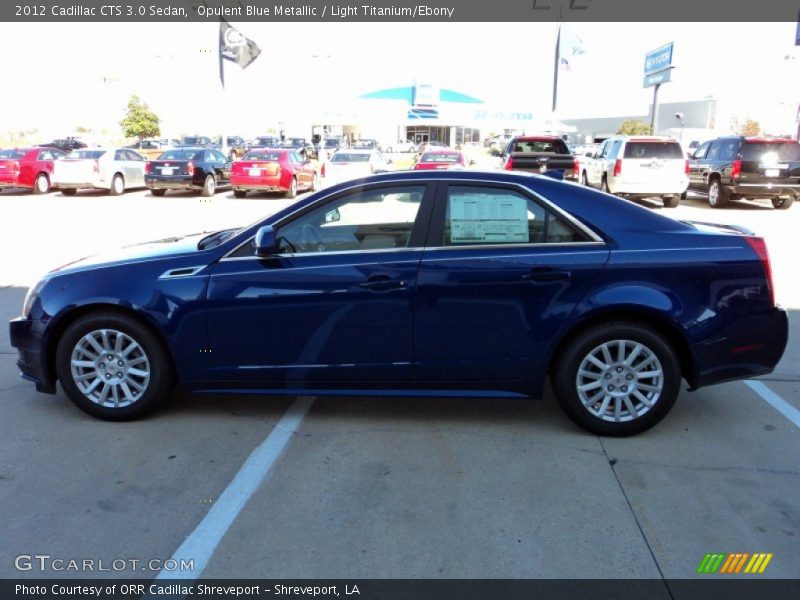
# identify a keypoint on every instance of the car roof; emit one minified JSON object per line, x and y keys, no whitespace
{"x":645,"y":138}
{"x":357,"y":151}
{"x":439,"y":150}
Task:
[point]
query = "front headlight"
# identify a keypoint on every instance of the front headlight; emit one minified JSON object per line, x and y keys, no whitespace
{"x":31,"y":297}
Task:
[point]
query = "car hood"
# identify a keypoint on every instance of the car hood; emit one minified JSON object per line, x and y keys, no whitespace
{"x":169,"y":247}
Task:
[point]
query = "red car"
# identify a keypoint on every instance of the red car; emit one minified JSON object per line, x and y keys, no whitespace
{"x":273,"y":170}
{"x":440,"y":158}
{"x":29,"y":168}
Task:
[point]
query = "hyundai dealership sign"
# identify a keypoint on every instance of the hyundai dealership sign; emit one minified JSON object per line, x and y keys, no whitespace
{"x":658,"y":65}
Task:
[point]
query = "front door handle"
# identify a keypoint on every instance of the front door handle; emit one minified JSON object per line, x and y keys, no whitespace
{"x":546,"y":276}
{"x":382,"y":284}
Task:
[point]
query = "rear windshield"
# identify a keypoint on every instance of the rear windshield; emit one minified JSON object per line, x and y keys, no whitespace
{"x":294,"y":143}
{"x":440,"y":157}
{"x":195,"y":141}
{"x":179,"y":155}
{"x":347,"y":157}
{"x":789,"y":151}
{"x":653,"y":150}
{"x":261,"y":155}
{"x":552,"y":146}
{"x":11,"y":154}
{"x":331,"y":143}
{"x":268,"y":141}
{"x":86,"y":154}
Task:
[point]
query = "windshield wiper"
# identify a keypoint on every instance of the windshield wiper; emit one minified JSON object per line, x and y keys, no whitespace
{"x":215,"y":239}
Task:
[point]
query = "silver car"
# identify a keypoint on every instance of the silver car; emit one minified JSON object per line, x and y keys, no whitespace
{"x":112,"y":169}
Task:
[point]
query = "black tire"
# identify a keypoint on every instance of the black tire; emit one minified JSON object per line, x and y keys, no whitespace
{"x":566,"y":373}
{"x":117,"y":185}
{"x":671,"y":201}
{"x":158,"y":193}
{"x":239,"y":193}
{"x":209,"y":186}
{"x":42,"y":184}
{"x":684,"y":195}
{"x":292,"y":191}
{"x":604,"y":185}
{"x":584,"y":179}
{"x":161,"y":379}
{"x":717,"y":195}
{"x":68,"y":191}
{"x":783,"y":202}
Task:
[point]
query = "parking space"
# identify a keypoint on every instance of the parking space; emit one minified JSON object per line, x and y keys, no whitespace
{"x":378,"y":487}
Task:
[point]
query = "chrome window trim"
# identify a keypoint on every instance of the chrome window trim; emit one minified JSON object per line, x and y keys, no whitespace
{"x":595,"y":239}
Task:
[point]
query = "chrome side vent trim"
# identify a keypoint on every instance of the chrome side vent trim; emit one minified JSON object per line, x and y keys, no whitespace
{"x":181,"y":272}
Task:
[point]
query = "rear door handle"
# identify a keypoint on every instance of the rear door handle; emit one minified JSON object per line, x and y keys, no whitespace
{"x":547,"y":276}
{"x":381,"y":284}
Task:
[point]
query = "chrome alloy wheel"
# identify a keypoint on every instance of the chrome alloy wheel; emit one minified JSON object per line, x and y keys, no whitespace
{"x":620,"y":380}
{"x":110,"y":368}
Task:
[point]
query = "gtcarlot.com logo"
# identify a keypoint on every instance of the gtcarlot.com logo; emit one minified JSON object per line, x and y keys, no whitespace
{"x":734,"y":563}
{"x":46,"y":562}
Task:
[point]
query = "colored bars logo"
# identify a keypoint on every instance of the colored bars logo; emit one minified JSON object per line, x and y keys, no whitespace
{"x":734,"y":563}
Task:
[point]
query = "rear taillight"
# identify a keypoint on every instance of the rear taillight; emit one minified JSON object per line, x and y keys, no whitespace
{"x":147,"y":167}
{"x":686,"y":167}
{"x":190,"y":168}
{"x":96,"y":166}
{"x":760,"y":247}
{"x":618,"y":167}
{"x":236,"y":167}
{"x":736,"y":170}
{"x":576,"y":168}
{"x":509,"y":166}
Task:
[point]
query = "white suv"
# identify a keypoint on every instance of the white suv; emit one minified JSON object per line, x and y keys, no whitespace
{"x":639,"y":167}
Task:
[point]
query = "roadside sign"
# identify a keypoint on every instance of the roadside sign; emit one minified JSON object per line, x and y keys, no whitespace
{"x":658,"y":61}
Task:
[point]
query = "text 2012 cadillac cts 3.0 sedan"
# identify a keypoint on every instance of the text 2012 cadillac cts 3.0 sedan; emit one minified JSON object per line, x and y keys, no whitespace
{"x":419,"y":284}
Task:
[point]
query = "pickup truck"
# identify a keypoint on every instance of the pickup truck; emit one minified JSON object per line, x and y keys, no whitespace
{"x":746,"y":168}
{"x":540,"y":154}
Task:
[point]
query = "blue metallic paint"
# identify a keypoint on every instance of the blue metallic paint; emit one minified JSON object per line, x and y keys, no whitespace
{"x":466,"y":324}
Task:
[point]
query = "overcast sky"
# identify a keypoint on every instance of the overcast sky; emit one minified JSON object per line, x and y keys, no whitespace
{"x":81,"y":74}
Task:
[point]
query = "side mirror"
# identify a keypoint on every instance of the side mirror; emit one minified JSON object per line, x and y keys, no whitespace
{"x":266,"y":245}
{"x":333,"y":216}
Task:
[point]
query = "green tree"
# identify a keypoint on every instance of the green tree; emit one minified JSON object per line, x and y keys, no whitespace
{"x":140,"y":121}
{"x":633,"y":127}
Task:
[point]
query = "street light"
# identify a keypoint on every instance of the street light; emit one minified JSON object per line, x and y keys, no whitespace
{"x":679,"y":116}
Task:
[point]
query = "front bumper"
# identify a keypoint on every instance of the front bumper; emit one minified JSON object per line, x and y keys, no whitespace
{"x":27,"y":336}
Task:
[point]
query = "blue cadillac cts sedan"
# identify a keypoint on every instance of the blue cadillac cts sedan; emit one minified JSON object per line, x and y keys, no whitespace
{"x":417,"y":284}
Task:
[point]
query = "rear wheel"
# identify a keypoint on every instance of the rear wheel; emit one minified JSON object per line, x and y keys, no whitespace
{"x":717,"y":196}
{"x":292,"y":191}
{"x":584,"y":179}
{"x":604,"y":185}
{"x":670,"y":201}
{"x":782,"y":203}
{"x":618,"y":378}
{"x":157,"y":192}
{"x":42,"y":184}
{"x":209,"y":186}
{"x":112,"y":367}
{"x":68,"y":191}
{"x":117,"y":185}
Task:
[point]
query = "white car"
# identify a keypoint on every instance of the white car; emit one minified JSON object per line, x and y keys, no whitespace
{"x":112,"y":169}
{"x":351,"y":163}
{"x":401,"y":146}
{"x":639,"y":167}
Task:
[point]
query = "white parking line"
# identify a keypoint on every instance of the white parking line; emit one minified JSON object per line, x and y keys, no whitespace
{"x":778,"y":403}
{"x":201,"y":543}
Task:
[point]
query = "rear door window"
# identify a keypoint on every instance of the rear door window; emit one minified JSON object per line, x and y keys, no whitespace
{"x":728,"y":149}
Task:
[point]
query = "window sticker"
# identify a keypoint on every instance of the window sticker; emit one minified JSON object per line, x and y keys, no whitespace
{"x":488,"y":219}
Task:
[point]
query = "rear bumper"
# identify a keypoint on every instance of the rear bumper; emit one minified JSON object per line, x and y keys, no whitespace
{"x":764,"y":190}
{"x":261,"y":184}
{"x":171,"y":183}
{"x":9,"y":180}
{"x":27,"y":336}
{"x":674,"y":188}
{"x":747,"y":348}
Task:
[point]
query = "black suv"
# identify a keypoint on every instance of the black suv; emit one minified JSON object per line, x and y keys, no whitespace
{"x":66,"y":144}
{"x":745,"y":168}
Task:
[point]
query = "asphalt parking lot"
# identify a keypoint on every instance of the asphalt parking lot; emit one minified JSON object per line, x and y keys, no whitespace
{"x":376,"y":487}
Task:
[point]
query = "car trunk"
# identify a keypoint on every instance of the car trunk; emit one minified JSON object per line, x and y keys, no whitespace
{"x":653,"y":163}
{"x":257,"y":168}
{"x":770,"y":163}
{"x":170,"y":168}
{"x":76,"y":170}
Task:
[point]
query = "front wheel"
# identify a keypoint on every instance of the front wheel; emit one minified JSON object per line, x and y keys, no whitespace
{"x":618,"y":378}
{"x":42,"y":184}
{"x":782,"y":203}
{"x":112,"y":367}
